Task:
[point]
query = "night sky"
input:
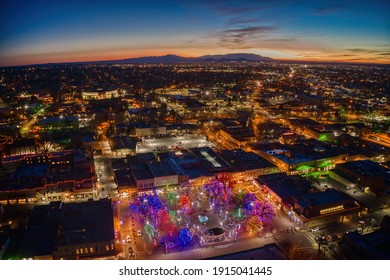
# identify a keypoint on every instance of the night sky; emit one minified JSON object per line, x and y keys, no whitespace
{"x":64,"y":31}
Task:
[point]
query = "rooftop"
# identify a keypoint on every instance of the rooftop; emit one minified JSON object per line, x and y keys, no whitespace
{"x":86,"y":222}
{"x":161,"y":169}
{"x":241,"y":160}
{"x":267,"y":252}
{"x":123,"y":142}
{"x":209,"y":158}
{"x":141,"y":171}
{"x":295,"y":190}
{"x":365,"y":167}
{"x":372,"y":246}
{"x":284,"y":186}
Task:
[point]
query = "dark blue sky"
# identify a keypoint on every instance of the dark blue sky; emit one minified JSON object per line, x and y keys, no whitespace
{"x":56,"y":31}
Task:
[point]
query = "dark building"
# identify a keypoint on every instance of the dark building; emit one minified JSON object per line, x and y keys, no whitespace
{"x":70,"y":231}
{"x":22,"y":147}
{"x":364,"y":173}
{"x":267,"y":252}
{"x":123,"y":145}
{"x":367,"y":149}
{"x":371,"y":246}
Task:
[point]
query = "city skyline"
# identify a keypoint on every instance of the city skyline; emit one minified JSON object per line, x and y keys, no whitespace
{"x":69,"y":31}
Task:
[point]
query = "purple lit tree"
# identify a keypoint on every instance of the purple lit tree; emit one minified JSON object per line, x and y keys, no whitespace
{"x":218,"y":193}
{"x":148,"y":205}
{"x":144,"y":210}
{"x":264,"y":210}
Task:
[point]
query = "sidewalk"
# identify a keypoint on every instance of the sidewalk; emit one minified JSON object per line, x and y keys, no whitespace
{"x":227,"y":246}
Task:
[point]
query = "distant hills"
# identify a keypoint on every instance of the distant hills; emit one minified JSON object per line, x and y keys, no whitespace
{"x":171,"y":58}
{"x":234,"y":57}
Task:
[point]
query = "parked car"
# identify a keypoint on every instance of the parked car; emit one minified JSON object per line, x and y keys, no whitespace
{"x":315,"y":229}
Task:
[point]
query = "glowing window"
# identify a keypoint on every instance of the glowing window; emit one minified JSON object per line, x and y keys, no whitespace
{"x":332,"y":209}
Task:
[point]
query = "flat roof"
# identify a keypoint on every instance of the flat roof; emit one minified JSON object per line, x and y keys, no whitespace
{"x":190,"y":164}
{"x":319,"y":150}
{"x":86,"y":222}
{"x":25,"y":142}
{"x":123,"y":142}
{"x":161,"y":169}
{"x":123,"y":178}
{"x":375,"y":245}
{"x":330,"y":196}
{"x":239,"y":133}
{"x":50,"y":120}
{"x":242,"y":160}
{"x":266,"y":252}
{"x":39,"y":170}
{"x":363,"y":147}
{"x":282,"y":185}
{"x":141,"y":171}
{"x":289,"y":156}
{"x":302,"y":122}
{"x":295,"y":189}
{"x":365,"y":167}
{"x":209,"y":158}
{"x":61,"y":223}
{"x":40,"y":237}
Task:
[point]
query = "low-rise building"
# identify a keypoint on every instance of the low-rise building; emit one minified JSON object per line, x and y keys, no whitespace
{"x":371,"y":246}
{"x":285,"y":158}
{"x":98,"y":94}
{"x":22,"y":147}
{"x":70,"y":231}
{"x":121,"y":146}
{"x":365,"y":174}
{"x":145,"y":130}
{"x":367,"y":149}
{"x":59,"y":123}
{"x":247,"y":165}
{"x":305,"y":207}
{"x":303,"y":157}
{"x":236,"y":137}
{"x":62,"y":176}
{"x":319,"y":133}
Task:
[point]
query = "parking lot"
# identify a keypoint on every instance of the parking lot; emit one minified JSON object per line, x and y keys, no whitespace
{"x":167,"y":143}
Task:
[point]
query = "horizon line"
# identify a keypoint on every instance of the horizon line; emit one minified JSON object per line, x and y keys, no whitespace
{"x":297,"y":60}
